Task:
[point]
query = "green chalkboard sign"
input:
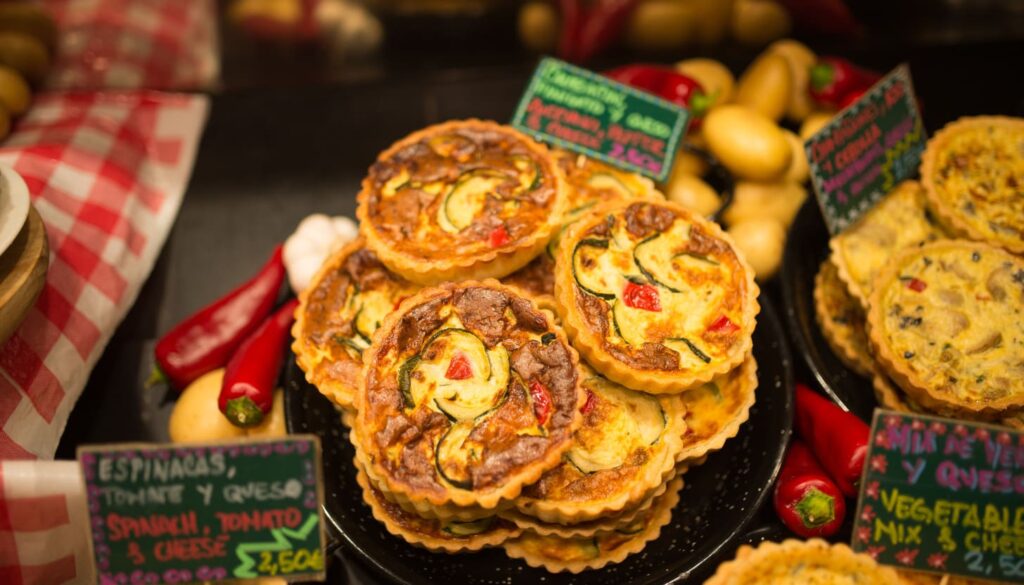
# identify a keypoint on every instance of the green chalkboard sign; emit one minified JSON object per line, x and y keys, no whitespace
{"x":588,"y":113}
{"x":866,"y":149}
{"x":944,"y":496}
{"x":184,"y":513}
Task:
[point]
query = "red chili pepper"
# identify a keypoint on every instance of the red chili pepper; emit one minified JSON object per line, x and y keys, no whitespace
{"x":572,"y":25}
{"x":838,"y":439}
{"x":916,"y":285}
{"x":641,"y":296}
{"x":589,"y":404}
{"x":251,"y":375}
{"x":602,"y":26}
{"x":205,"y":340}
{"x":541,"y":401}
{"x":806,"y":500}
{"x":667,"y":84}
{"x":851,"y":97}
{"x":499,"y":236}
{"x":638,"y":75}
{"x":459,"y":368}
{"x":723,"y":325}
{"x":832,"y":78}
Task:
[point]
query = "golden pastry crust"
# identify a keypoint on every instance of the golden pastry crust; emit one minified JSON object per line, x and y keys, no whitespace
{"x":810,"y":562}
{"x":973,"y":173}
{"x":625,"y":449}
{"x":338,"y":314}
{"x":459,"y":200}
{"x":841,"y":319}
{"x":892,"y":397}
{"x":715,"y":411}
{"x":536,"y":278}
{"x":654,"y":296}
{"x":469,"y":392}
{"x":916,"y":578}
{"x":435,"y":535}
{"x":576,"y":555}
{"x":898,"y":221}
{"x":946,"y":324}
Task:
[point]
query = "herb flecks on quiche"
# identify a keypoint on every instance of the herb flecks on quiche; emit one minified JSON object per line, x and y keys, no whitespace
{"x":469,"y":392}
{"x":799,"y":561}
{"x":655,"y":297}
{"x":973,"y":172}
{"x":338,"y":315}
{"x":459,"y":200}
{"x":946,"y":321}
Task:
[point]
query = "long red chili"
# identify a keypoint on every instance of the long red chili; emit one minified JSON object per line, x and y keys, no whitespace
{"x":602,"y":26}
{"x":838,"y":439}
{"x":251,"y":375}
{"x":572,"y":25}
{"x":667,"y":84}
{"x":205,"y":340}
{"x":806,"y":500}
{"x":832,"y":78}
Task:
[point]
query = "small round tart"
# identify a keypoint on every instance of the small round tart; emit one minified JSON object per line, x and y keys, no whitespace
{"x":946,"y":324}
{"x":451,"y":536}
{"x":624,"y":450}
{"x":655,"y":297}
{"x":468,"y":392}
{"x":801,"y":561}
{"x":915,"y":578}
{"x":892,"y":397}
{"x":716,"y":410}
{"x":898,"y":221}
{"x":973,"y":172}
{"x":337,"y":316}
{"x":583,"y":553}
{"x":841,"y":319}
{"x":466,"y":199}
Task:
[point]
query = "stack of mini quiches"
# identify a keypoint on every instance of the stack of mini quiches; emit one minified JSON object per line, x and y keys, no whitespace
{"x":552,"y":412}
{"x":924,"y":294}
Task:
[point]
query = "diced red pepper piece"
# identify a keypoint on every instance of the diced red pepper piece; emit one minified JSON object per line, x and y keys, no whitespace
{"x":916,"y":285}
{"x":459,"y":368}
{"x":499,"y":237}
{"x":642,"y":296}
{"x":541,"y":401}
{"x":723,"y":325}
{"x":589,"y":404}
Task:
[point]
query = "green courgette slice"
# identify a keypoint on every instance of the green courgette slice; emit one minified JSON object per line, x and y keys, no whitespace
{"x":405,"y":380}
{"x":646,"y":257}
{"x":529,"y":171}
{"x":455,"y":454}
{"x":691,"y":347}
{"x":631,"y":420}
{"x":599,"y":281}
{"x":467,"y":197}
{"x":468,"y":528}
{"x":609,"y":182}
{"x":630,"y":324}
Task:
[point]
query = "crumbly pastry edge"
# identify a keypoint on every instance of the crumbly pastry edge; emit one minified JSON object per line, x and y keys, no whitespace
{"x":748,"y":555}
{"x":748,"y":382}
{"x":490,"y":264}
{"x":509,"y":490}
{"x":591,"y":346}
{"x":838,"y":342}
{"x":947,"y":216}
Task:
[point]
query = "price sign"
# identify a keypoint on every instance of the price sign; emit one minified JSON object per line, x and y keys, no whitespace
{"x":866,"y":149}
{"x":944,"y":496}
{"x":178,"y":514}
{"x":588,"y":113}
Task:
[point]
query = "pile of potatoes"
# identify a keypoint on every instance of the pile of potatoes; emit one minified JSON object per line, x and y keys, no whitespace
{"x":28,"y":36}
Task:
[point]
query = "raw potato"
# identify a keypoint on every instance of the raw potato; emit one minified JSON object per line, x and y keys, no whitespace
{"x":765,"y":86}
{"x":687,"y":163}
{"x":798,"y":170}
{"x":30,"y":18}
{"x":26,"y":54}
{"x":800,"y":60}
{"x":538,"y":26}
{"x":761,"y":241}
{"x":777,"y":201}
{"x":713,"y":18}
{"x":715,"y":78}
{"x":661,"y":25}
{"x":816,"y":121}
{"x":755,"y":23}
{"x":693,"y":193}
{"x":196,"y":418}
{"x":15,"y":94}
{"x":747,"y":143}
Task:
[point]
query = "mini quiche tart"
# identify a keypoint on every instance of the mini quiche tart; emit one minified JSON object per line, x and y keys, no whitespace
{"x":973,"y":172}
{"x":946,"y":324}
{"x":716,"y":410}
{"x":337,"y":316}
{"x":798,"y":561}
{"x":655,"y":297}
{"x":579,"y":554}
{"x":450,"y":536}
{"x":468,"y":392}
{"x":892,"y":397}
{"x":841,"y":319}
{"x":898,"y":221}
{"x":624,"y":450}
{"x":459,"y":200}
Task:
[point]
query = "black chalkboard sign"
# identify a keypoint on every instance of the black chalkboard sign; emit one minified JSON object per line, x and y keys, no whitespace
{"x":183,"y":513}
{"x":943,"y":495}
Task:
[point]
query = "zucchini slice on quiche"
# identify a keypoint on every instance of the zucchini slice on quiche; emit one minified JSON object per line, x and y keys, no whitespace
{"x":462,"y":199}
{"x":470,"y":392}
{"x":655,"y":297}
{"x":337,"y":316}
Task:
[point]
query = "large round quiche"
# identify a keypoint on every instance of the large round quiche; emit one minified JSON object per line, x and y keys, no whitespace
{"x":654,"y":296}
{"x":468,"y":392}
{"x":812,"y":562}
{"x":465,"y":199}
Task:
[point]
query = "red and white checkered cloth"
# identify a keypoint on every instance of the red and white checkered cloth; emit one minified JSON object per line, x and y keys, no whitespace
{"x":106,"y":172}
{"x":130,"y":44}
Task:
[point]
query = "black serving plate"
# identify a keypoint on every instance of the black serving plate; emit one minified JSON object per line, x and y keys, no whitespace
{"x":719,"y":500}
{"x":806,"y":249}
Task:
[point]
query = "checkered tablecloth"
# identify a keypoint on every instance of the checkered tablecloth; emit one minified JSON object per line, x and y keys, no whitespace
{"x":106,"y":172}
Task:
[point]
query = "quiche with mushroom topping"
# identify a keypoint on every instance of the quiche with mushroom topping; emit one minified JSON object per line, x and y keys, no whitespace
{"x":973,"y":173}
{"x":798,"y":561}
{"x":466,"y":199}
{"x":946,"y":323}
{"x":655,"y":297}
{"x":468,"y":393}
